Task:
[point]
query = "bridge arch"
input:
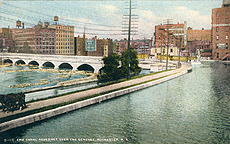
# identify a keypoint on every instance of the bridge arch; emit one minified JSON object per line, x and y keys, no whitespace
{"x":48,"y":64}
{"x":65,"y":66}
{"x":86,"y":67}
{"x":20,"y":62}
{"x":8,"y":61}
{"x":34,"y":63}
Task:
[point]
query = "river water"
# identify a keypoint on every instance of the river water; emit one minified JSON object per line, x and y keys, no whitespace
{"x":17,"y":75}
{"x":193,"y":108}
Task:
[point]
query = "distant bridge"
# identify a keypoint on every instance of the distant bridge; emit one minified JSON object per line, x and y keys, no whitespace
{"x":88,"y":63}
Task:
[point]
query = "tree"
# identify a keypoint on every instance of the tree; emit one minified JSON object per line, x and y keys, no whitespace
{"x":134,"y":68}
{"x":110,"y":69}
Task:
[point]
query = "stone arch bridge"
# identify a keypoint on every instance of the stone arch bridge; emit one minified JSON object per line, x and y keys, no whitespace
{"x":56,"y":61}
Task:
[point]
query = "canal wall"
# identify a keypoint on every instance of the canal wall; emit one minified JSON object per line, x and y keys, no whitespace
{"x":65,"y":109}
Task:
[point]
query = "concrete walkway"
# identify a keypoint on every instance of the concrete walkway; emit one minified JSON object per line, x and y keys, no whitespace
{"x":86,"y":93}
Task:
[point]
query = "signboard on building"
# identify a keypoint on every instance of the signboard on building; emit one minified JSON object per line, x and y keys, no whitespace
{"x":222,"y":46}
{"x":90,"y":45}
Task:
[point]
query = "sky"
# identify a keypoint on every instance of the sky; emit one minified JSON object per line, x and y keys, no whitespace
{"x":106,"y":18}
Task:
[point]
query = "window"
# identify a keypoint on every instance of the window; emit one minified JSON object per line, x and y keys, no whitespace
{"x":171,"y":50}
{"x":226,"y":13}
{"x":226,"y":20}
{"x":217,"y":21}
{"x":217,"y":37}
{"x":226,"y":29}
{"x":226,"y":37}
{"x":217,"y":29}
{"x":217,"y":14}
{"x":217,"y":55}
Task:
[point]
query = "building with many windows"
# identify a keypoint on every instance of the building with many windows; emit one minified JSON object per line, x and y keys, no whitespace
{"x":24,"y":40}
{"x":79,"y":46}
{"x":221,"y":31}
{"x":99,"y":47}
{"x":199,"y":39}
{"x":45,"y":39}
{"x":6,"y":43}
{"x":172,"y":35}
{"x":64,"y":42}
{"x":173,"y":32}
{"x":140,"y":46}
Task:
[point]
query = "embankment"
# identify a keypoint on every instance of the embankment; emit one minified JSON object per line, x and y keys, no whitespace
{"x":136,"y":84}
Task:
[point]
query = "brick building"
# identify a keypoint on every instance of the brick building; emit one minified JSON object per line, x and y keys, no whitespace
{"x":199,"y":39}
{"x":176,"y":31}
{"x":6,"y":43}
{"x":24,"y":40}
{"x":140,"y":46}
{"x":175,"y":35}
{"x":221,"y":31}
{"x":45,"y":39}
{"x":79,"y":46}
{"x":99,"y":47}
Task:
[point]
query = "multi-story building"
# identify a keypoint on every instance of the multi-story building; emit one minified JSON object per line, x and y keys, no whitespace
{"x":172,"y":35}
{"x":45,"y":39}
{"x":79,"y":46}
{"x":6,"y":43}
{"x":64,"y":39}
{"x":221,"y":31}
{"x":140,"y":46}
{"x":24,"y":40}
{"x":115,"y":47}
{"x":201,"y":40}
{"x":173,"y":32}
{"x":99,"y":47}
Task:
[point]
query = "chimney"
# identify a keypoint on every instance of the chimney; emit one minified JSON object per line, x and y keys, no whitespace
{"x":202,"y":28}
{"x":22,"y":25}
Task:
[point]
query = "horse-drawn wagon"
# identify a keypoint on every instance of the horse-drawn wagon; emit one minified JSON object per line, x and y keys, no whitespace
{"x":13,"y":101}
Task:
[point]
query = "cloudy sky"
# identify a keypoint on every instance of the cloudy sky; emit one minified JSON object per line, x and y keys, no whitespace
{"x":105,"y":18}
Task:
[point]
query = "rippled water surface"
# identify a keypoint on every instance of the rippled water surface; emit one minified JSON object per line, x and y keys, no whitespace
{"x":194,"y":108}
{"x":29,"y":77}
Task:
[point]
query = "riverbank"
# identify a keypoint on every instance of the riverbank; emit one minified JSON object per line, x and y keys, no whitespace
{"x":114,"y":89}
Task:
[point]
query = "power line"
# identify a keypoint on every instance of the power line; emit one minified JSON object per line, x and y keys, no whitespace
{"x":68,"y":20}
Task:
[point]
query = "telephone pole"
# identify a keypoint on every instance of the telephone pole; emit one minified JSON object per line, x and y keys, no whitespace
{"x":130,"y":17}
{"x":169,"y":21}
{"x":129,"y":40}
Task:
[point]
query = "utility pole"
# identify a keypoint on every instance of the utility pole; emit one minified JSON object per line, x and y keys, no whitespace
{"x":161,"y":49}
{"x":168,"y":22}
{"x":130,"y":17}
{"x":179,"y":51}
{"x":167,"y":45}
{"x":129,"y":40}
